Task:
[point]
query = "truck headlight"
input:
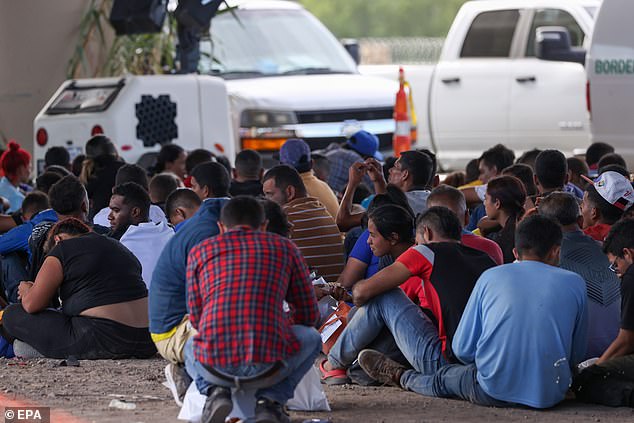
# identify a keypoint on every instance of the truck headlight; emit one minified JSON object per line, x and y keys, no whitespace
{"x":267,"y":118}
{"x":266,"y":129}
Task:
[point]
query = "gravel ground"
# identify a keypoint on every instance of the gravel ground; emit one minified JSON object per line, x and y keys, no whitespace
{"x":87,"y":391}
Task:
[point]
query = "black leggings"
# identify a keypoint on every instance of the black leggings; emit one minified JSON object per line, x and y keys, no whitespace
{"x":56,"y":335}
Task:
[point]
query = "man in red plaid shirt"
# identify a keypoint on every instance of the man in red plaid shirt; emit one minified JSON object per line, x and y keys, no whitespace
{"x":237,"y":283}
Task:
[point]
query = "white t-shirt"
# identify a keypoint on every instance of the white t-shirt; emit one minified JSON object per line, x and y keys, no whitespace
{"x":481,"y":191}
{"x":146,"y":241}
{"x":156,"y":216}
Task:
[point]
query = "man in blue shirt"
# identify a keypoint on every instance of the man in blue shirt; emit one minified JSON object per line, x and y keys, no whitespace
{"x":521,"y":333}
{"x":180,"y":206}
{"x":169,"y":324}
{"x":14,"y":245}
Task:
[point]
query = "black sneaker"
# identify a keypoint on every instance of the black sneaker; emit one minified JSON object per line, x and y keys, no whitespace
{"x":267,"y":411}
{"x":380,"y":367}
{"x":217,"y":406}
{"x":178,"y":380}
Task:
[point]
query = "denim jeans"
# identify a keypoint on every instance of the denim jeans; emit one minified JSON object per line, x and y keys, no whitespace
{"x":415,"y":334}
{"x":282,"y":386}
{"x":451,"y":381}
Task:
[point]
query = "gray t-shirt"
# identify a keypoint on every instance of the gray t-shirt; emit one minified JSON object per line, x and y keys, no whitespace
{"x":417,"y":200}
{"x":582,"y":255}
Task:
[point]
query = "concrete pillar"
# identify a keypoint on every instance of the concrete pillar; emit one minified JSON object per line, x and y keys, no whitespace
{"x":37,"y":40}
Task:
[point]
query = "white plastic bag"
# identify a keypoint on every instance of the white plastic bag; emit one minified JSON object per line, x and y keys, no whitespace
{"x":308,"y":396}
{"x":192,"y":409}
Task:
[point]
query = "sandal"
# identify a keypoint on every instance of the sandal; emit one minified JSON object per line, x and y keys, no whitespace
{"x":333,"y":377}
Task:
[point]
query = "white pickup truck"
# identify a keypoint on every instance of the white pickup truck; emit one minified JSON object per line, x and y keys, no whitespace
{"x":489,"y":87}
{"x":286,"y":76}
{"x":272,"y":72}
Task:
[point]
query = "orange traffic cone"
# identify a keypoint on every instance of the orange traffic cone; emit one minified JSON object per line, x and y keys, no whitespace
{"x":413,"y":120}
{"x":402,"y":137}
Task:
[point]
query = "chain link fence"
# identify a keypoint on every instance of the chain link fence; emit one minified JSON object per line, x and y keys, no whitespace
{"x":401,"y":50}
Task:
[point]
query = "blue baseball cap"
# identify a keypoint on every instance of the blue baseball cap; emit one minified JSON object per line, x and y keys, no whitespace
{"x":366,"y":144}
{"x":295,"y":152}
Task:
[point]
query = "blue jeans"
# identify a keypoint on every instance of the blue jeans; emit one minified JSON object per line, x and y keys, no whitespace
{"x":415,"y":334}
{"x":451,"y":381}
{"x":282,"y":386}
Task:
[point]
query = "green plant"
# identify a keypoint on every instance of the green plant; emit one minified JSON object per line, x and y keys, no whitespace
{"x":126,"y":54}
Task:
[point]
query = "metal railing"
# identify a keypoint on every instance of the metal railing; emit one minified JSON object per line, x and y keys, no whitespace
{"x":401,"y":50}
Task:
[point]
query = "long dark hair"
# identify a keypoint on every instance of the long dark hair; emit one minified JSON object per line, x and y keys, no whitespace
{"x":511,"y":194}
{"x":392,"y":219}
{"x":169,"y":153}
{"x":70,"y":226}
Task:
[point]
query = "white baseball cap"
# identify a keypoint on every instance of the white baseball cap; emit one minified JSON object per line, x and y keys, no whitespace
{"x":615,"y":188}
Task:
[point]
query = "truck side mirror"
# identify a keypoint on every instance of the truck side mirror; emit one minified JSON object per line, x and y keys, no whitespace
{"x":352,"y":47}
{"x":553,"y":43}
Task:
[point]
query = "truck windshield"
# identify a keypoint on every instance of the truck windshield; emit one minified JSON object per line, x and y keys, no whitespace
{"x":260,"y":42}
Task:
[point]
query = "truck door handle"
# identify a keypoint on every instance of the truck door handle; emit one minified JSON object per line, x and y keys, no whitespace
{"x":450,"y":80}
{"x":525,"y":79}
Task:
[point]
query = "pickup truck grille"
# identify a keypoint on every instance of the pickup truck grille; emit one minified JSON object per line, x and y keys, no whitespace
{"x":319,"y":116}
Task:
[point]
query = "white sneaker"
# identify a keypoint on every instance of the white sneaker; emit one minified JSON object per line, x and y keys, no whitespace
{"x":177,"y":381}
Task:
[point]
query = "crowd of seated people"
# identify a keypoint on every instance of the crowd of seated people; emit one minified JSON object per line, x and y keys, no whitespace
{"x":491,"y":285}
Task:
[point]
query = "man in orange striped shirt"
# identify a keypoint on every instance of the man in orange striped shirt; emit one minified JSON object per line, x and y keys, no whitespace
{"x":314,"y":231}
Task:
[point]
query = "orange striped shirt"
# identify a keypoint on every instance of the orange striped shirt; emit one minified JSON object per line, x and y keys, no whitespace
{"x":315,"y":233}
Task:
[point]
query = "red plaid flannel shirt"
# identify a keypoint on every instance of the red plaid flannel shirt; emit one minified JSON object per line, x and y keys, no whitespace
{"x":236,"y":283}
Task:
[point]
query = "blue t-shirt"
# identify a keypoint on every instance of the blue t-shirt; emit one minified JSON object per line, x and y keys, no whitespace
{"x":582,"y":255}
{"x":168,"y":295}
{"x":17,"y":239}
{"x":524,"y":327}
{"x":12,"y":194}
{"x":476,"y":214}
{"x":362,"y":252}
{"x":574,"y":190}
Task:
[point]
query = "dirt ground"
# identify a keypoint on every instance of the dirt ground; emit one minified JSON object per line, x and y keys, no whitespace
{"x":87,"y":391}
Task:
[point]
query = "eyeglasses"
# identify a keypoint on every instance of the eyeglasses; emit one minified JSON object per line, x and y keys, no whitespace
{"x":613,"y":267}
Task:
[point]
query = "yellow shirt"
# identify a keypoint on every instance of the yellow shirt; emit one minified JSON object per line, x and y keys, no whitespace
{"x":475,"y":183}
{"x":320,"y":190}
